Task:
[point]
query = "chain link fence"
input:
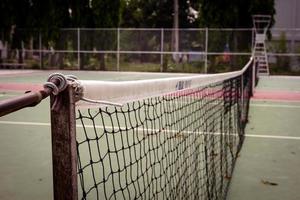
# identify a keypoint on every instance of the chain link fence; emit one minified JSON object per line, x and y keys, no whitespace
{"x":153,"y":50}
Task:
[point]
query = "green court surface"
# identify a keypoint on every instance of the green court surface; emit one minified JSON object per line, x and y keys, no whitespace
{"x":25,"y":154}
{"x":267,"y":168}
{"x":279,"y":83}
{"x":25,"y":137}
{"x":268,"y":165}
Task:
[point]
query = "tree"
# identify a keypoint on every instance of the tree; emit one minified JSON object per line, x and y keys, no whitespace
{"x":155,"y":14}
{"x":13,"y":17}
{"x":81,"y":14}
{"x":6,"y":10}
{"x":233,"y":13}
{"x":21,"y":19}
{"x":106,"y":14}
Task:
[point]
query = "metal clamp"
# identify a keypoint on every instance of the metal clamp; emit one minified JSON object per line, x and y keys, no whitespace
{"x":57,"y":82}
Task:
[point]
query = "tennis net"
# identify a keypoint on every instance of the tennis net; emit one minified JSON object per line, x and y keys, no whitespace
{"x":175,"y":138}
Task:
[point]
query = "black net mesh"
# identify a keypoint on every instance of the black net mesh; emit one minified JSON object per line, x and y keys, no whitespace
{"x":178,"y":146}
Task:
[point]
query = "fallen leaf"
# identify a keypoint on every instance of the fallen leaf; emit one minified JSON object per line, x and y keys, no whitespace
{"x":227,"y":177}
{"x":269,"y":183}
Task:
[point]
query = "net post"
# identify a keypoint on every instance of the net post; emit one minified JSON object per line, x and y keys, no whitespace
{"x":64,"y":153}
{"x":253,"y":79}
{"x":242,"y":93}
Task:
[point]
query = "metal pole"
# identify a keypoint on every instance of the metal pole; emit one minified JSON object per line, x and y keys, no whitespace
{"x":26,"y":100}
{"x":78,"y":48}
{"x":206,"y":50}
{"x":242,"y":95}
{"x":118,"y":49}
{"x":161,"y":50}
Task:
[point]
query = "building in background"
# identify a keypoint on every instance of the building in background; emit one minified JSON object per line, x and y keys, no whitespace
{"x":287,"y":14}
{"x":286,"y":34}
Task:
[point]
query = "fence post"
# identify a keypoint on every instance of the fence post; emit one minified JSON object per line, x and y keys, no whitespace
{"x":40,"y":50}
{"x":162,"y":50}
{"x":252,"y":39}
{"x":206,"y":50}
{"x":118,"y":49}
{"x":78,"y":48}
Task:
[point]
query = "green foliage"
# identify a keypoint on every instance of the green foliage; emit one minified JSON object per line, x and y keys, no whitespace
{"x":21,"y":20}
{"x":6,"y":9}
{"x":283,"y":62}
{"x":81,"y":14}
{"x":233,"y":13}
{"x":282,"y":45}
{"x":155,"y":14}
{"x":50,"y":15}
{"x":106,"y":13}
{"x":265,"y":7}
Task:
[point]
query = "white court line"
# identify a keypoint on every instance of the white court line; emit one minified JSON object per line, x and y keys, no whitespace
{"x":282,"y":77}
{"x":8,"y":95}
{"x":25,"y":123}
{"x":274,"y":105}
{"x":275,"y":100}
{"x":90,"y":126}
{"x":273,"y":137}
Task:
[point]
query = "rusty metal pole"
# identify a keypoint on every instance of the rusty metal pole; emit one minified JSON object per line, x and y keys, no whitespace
{"x":64,"y":153}
{"x":26,"y":100}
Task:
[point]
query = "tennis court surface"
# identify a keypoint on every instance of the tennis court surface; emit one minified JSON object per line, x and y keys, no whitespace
{"x":268,"y":165}
{"x":135,"y":151}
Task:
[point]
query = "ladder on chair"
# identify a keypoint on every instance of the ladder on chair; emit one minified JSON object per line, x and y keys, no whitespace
{"x":260,"y":54}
